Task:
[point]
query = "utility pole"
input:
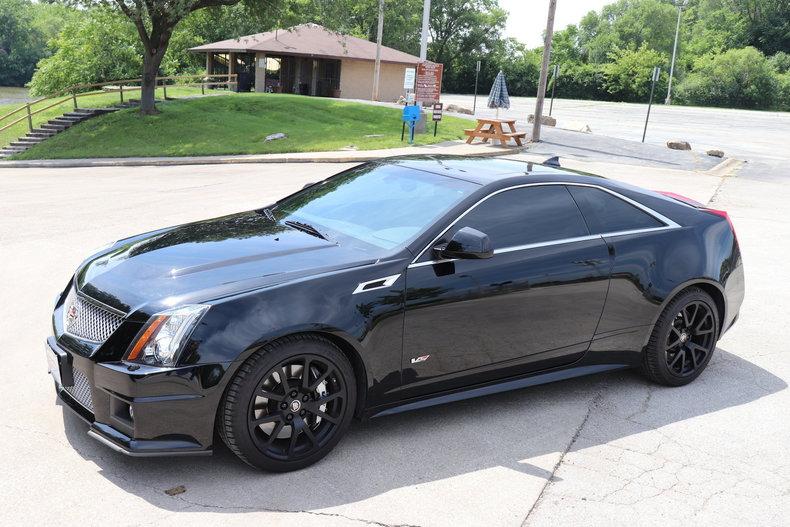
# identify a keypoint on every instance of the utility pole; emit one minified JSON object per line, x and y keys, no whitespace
{"x":377,"y":68}
{"x":680,"y":6}
{"x":544,"y":71}
{"x":426,"y":14}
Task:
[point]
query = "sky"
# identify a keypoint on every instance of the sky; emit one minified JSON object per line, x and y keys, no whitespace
{"x":527,"y":19}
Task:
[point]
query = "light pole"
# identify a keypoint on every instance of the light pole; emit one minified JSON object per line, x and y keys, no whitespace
{"x":426,"y":13}
{"x":680,"y":6}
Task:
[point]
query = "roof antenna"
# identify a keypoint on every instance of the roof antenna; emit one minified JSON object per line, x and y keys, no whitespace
{"x":552,"y":162}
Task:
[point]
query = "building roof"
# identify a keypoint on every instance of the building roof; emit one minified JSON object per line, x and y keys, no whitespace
{"x":308,"y":40}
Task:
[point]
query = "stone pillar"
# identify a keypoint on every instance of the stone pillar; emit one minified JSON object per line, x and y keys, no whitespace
{"x":260,"y":72}
{"x":232,"y":70}
{"x":297,"y":74}
{"x":314,"y":78}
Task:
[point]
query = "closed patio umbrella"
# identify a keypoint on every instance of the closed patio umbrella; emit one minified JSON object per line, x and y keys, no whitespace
{"x":498,"y":98}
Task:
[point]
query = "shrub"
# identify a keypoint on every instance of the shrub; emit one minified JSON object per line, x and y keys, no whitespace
{"x":738,"y":78}
{"x":783,"y":93}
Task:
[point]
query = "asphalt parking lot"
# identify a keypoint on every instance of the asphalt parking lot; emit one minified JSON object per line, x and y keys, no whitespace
{"x":610,"y":448}
{"x":741,"y":133}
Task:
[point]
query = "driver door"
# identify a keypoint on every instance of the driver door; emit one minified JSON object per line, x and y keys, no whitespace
{"x":534,"y":304}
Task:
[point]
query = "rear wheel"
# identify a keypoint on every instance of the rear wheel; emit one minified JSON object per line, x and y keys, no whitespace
{"x":289,"y":404}
{"x":683,"y":339}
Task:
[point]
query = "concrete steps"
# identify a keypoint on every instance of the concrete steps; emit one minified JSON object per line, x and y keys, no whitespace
{"x":57,"y":125}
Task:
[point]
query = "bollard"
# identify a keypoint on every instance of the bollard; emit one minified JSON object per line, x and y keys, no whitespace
{"x":121,"y":92}
{"x":203,"y":88}
{"x":164,"y":89}
{"x":74,"y":98}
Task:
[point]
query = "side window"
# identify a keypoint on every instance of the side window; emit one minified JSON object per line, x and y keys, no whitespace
{"x":607,"y":213}
{"x":526,"y":215}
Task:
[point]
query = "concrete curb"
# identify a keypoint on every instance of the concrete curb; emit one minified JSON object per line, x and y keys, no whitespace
{"x":726,"y":168}
{"x":454,"y":148}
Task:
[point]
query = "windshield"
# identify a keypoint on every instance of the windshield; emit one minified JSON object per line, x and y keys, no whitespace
{"x":386,"y":206}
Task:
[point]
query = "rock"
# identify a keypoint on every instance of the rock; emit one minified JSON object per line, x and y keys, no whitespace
{"x":457,"y":109}
{"x":715,"y":153}
{"x":576,"y":126}
{"x":180,"y":489}
{"x":547,"y":120}
{"x":678,"y":145}
{"x":349,"y":148}
{"x":272,"y":137}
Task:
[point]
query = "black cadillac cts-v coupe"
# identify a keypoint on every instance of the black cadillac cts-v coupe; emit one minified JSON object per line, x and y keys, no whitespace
{"x":391,"y":286}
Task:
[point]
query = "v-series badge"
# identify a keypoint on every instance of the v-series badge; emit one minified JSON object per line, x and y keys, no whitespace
{"x":423,"y":358}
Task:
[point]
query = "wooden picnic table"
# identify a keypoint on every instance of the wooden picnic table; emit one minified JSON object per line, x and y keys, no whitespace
{"x":492,"y":129}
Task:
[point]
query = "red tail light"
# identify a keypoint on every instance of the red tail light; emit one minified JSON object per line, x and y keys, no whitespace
{"x":724,"y":215}
{"x":697,"y":204}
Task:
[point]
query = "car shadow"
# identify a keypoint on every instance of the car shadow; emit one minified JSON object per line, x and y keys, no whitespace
{"x":404,"y":450}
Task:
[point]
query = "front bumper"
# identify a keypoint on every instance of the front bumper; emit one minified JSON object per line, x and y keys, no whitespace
{"x":143,"y":411}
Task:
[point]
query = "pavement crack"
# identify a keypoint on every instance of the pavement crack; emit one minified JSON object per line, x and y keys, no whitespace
{"x":287,"y":511}
{"x":593,"y":402}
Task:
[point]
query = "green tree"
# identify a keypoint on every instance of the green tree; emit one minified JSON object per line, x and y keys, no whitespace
{"x":738,"y":78}
{"x":627,"y":24}
{"x":461,"y":32}
{"x":628,"y":75}
{"x":155,"y":21}
{"x":98,"y":47}
{"x":21,"y":43}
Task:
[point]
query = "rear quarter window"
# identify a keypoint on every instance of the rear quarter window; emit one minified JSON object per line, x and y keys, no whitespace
{"x":605,"y":212}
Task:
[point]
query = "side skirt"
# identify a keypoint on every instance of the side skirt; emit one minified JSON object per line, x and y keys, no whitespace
{"x":533,"y":380}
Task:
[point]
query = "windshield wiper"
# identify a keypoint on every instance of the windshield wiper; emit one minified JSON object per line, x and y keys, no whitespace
{"x":305,"y":227}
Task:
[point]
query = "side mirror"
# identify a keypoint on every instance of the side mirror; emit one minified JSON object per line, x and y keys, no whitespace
{"x":467,"y":243}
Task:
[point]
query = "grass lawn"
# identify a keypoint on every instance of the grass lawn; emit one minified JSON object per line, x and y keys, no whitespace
{"x":238,"y":124}
{"x":89,"y":101}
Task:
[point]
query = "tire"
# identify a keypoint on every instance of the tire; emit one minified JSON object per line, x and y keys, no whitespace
{"x":259,"y":413}
{"x":683,"y":339}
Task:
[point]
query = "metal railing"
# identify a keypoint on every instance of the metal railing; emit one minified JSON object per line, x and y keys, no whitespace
{"x":123,"y":86}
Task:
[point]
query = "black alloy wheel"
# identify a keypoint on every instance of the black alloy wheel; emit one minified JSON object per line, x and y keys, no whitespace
{"x":690,"y":338}
{"x":289,"y":404}
{"x":297,"y":407}
{"x":683,"y":340}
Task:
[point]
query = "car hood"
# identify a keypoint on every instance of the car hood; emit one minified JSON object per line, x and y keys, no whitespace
{"x":208,"y":259}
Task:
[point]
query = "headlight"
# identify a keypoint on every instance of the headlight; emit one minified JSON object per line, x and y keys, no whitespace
{"x":161,"y":339}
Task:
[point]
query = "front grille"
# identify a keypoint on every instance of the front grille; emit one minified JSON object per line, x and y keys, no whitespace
{"x":84,"y":319}
{"x":81,"y":391}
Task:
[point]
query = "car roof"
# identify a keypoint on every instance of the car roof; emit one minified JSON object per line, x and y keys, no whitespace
{"x":485,"y":170}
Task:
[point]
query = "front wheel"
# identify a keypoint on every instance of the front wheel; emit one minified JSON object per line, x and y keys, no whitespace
{"x":683,"y":339}
{"x":289,"y":404}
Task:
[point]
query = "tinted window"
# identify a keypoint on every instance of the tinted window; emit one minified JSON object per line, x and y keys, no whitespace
{"x":382,"y":205}
{"x":527,"y":215}
{"x":607,"y":213}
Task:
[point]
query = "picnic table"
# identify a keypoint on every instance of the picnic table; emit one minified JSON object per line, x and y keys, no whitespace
{"x":492,"y":129}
